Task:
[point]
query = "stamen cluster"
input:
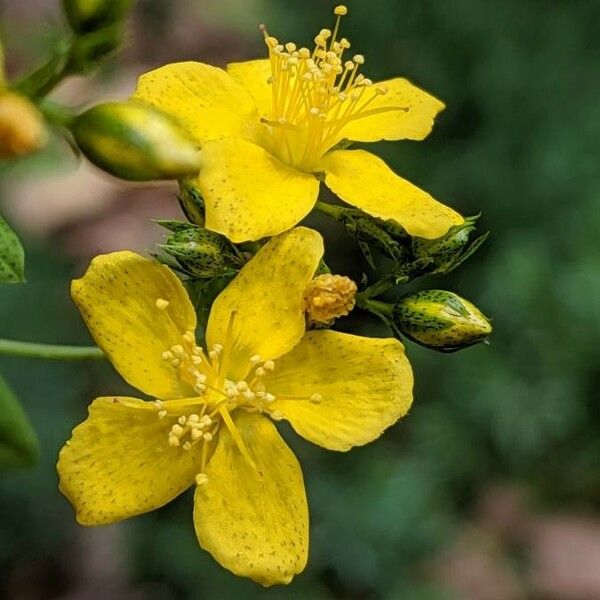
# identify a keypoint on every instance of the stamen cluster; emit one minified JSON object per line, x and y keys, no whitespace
{"x":314,"y":94}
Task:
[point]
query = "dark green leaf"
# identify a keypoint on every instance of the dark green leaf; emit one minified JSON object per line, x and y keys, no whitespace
{"x":12,"y":257}
{"x":18,"y":442}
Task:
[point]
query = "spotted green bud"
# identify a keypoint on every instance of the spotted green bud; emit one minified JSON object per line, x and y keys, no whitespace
{"x":199,"y":252}
{"x":444,"y":254}
{"x":135,"y":142}
{"x":90,"y":15}
{"x":440,"y":320}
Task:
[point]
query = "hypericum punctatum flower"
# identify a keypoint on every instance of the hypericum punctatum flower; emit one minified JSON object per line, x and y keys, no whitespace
{"x":269,"y":129}
{"x":208,"y":424}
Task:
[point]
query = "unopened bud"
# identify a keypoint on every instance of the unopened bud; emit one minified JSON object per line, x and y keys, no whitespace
{"x":90,"y":15}
{"x":328,"y":297}
{"x":136,"y":142}
{"x":440,"y":320}
{"x":22,"y":128}
{"x":200,"y":252}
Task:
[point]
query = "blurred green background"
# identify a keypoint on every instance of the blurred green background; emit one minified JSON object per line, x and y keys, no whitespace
{"x":490,"y":488}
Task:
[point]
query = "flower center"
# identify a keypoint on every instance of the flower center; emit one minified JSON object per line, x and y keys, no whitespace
{"x":314,"y":95}
{"x":197,"y":420}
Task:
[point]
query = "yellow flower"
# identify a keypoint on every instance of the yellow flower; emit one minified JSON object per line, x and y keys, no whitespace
{"x":208,"y":424}
{"x":269,"y":129}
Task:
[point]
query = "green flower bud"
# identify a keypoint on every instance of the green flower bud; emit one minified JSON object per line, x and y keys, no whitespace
{"x":90,"y":15}
{"x":444,"y":254}
{"x":135,"y":142}
{"x":440,"y":320}
{"x":200,"y":252}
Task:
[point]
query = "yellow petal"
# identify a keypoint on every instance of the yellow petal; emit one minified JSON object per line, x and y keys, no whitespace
{"x":364,"y":180}
{"x":204,"y":99}
{"x":250,"y":194}
{"x":253,"y":75}
{"x":359,"y":387}
{"x":413,"y":122}
{"x":254,"y":521}
{"x":122,"y":300}
{"x":118,"y":463}
{"x":267,"y":299}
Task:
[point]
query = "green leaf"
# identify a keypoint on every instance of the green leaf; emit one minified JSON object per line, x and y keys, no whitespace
{"x":18,"y":443}
{"x":12,"y":257}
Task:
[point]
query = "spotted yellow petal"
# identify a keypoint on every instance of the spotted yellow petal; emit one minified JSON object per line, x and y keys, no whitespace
{"x":339,"y":390}
{"x":404,"y":112}
{"x":250,"y":194}
{"x":118,"y":463}
{"x":136,"y":309}
{"x":365,"y":181}
{"x":205,"y":100}
{"x":266,"y":299}
{"x":254,"y":521}
{"x":254,"y":76}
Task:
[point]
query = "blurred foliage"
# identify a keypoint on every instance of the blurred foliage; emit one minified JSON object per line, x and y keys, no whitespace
{"x":519,"y":142}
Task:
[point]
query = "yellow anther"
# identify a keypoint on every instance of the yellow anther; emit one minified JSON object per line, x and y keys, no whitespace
{"x":177,"y":350}
{"x":304,"y":53}
{"x":162,"y":414}
{"x":269,"y":365}
{"x":255,"y":359}
{"x":272,"y":42}
{"x":249,"y":395}
{"x":277,"y":415}
{"x":269,"y":397}
{"x":340,"y":10}
{"x":158,"y":403}
{"x":196,"y":434}
{"x":182,"y":420}
{"x":208,"y":436}
{"x":359,"y":59}
{"x":316,"y":398}
{"x":206,"y":420}
{"x":366,"y":82}
{"x":177,"y":430}
{"x":260,"y":372}
{"x":161,"y":303}
{"x":189,"y":336}
{"x":167,"y":355}
{"x":187,"y":446}
{"x":201,"y":478}
{"x":242,"y":386}
{"x":193,"y":418}
{"x":173,"y":441}
{"x":325,"y":33}
{"x":345,"y":43}
{"x":382,"y":91}
{"x":290,"y":47}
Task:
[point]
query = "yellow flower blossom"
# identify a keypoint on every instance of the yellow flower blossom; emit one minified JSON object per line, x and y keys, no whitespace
{"x":269,"y":131}
{"x":209,"y":422}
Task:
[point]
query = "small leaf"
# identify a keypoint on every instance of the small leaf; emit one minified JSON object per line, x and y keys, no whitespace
{"x":12,"y":257}
{"x":18,"y":443}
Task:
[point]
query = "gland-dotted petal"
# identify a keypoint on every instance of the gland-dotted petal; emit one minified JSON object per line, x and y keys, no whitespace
{"x":254,"y":76}
{"x":411,"y":117}
{"x":339,"y":390}
{"x":249,"y":194}
{"x":118,"y":463}
{"x":205,"y":100}
{"x":266,"y":300}
{"x":254,"y":521}
{"x":365,"y":181}
{"x":136,"y":309}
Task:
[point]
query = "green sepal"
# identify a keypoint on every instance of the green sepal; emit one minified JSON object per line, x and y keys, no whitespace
{"x":12,"y":255}
{"x":19,"y":446}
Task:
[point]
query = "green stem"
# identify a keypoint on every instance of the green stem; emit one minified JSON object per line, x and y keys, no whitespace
{"x":381,"y":309}
{"x":49,"y":351}
{"x":330,"y":209}
{"x":44,"y":79}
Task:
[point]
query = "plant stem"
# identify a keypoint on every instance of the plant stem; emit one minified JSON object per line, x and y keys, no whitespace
{"x":49,"y":351}
{"x":382,"y":309}
{"x":330,"y":209}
